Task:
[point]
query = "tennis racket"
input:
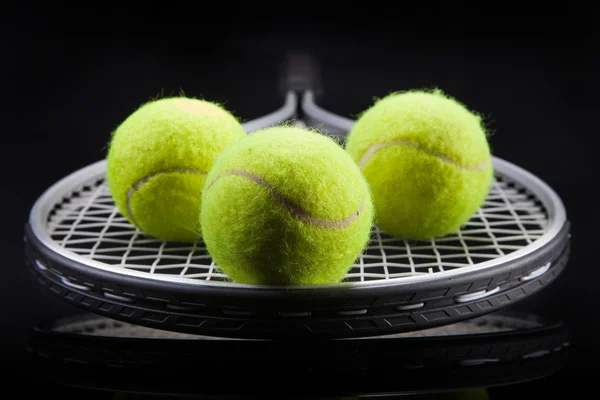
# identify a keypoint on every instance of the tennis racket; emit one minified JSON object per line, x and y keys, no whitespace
{"x":81,"y":249}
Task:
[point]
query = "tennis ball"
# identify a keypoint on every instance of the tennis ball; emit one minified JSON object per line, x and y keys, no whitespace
{"x":285,"y":206}
{"x":158,"y":159}
{"x":427,"y":160}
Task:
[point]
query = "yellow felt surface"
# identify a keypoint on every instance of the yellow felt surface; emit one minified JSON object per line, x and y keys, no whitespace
{"x":164,"y":136}
{"x":169,"y":204}
{"x":293,"y":219}
{"x":431,"y":168}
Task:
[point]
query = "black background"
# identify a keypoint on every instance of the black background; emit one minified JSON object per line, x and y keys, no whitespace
{"x":72,"y":74}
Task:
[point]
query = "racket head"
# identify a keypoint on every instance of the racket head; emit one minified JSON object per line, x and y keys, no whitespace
{"x":77,"y":218}
{"x":79,"y":247}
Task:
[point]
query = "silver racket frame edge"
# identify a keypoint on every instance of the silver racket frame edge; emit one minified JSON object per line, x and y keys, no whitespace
{"x":271,"y":313}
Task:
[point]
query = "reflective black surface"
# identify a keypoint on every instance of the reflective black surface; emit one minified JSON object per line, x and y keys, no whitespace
{"x":69,"y":80}
{"x":102,"y":354}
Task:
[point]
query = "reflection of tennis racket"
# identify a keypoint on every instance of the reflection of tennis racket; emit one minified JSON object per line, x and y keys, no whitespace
{"x":84,"y":251}
{"x":495,"y":349}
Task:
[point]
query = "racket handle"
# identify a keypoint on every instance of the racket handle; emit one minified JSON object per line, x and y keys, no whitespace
{"x":300,"y":73}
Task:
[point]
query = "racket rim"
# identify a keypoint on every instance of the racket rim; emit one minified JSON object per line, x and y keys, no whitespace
{"x":551,"y":252}
{"x":328,"y":317}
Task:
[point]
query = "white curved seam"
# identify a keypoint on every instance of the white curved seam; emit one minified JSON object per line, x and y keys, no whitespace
{"x":292,"y":208}
{"x":378,"y":146}
{"x":140,"y":182}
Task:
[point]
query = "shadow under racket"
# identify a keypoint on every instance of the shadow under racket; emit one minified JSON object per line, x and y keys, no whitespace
{"x":496,"y":349}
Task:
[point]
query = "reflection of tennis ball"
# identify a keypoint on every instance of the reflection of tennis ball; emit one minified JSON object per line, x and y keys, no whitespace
{"x":427,"y":161}
{"x":285,"y":206}
{"x":158,"y":160}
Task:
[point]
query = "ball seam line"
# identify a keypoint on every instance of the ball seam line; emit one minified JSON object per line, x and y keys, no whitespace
{"x":378,"y":146}
{"x":295,"y":210}
{"x":140,"y":182}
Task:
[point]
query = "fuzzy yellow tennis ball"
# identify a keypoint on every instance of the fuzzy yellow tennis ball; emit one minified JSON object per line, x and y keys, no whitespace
{"x":427,"y":160}
{"x":286,"y":206}
{"x":158,"y":160}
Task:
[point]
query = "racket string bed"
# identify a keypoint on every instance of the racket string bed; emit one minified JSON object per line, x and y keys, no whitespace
{"x":87,"y":223}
